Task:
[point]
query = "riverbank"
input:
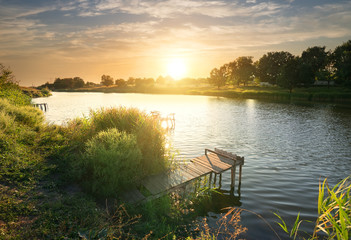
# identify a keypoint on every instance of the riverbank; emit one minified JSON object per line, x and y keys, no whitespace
{"x":35,"y":93}
{"x":49,"y":189}
{"x":335,"y":95}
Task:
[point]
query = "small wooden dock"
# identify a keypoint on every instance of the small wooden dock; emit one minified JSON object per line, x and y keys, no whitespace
{"x":213,"y":162}
{"x":169,"y":120}
{"x":42,"y":106}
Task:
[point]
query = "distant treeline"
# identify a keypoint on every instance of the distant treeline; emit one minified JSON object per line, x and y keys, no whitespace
{"x":315,"y":65}
{"x":106,"y":80}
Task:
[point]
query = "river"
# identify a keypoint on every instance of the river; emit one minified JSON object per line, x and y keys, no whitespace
{"x":288,"y":148}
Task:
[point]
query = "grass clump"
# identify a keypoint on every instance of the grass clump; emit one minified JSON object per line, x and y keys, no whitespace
{"x":110,"y":163}
{"x":149,"y":134}
{"x":112,"y":150}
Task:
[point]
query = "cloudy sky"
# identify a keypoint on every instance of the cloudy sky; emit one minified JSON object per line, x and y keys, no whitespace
{"x":44,"y":39}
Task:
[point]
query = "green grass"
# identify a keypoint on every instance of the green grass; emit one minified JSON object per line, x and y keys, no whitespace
{"x":334,"y":213}
{"x":45,"y":170}
{"x":34,"y":201}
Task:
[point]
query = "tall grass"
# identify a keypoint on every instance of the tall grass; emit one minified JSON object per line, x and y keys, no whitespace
{"x":334,"y":213}
{"x":111,"y":162}
{"x":113,"y":148}
{"x":149,"y":133}
{"x":27,"y":115}
{"x":14,"y":95}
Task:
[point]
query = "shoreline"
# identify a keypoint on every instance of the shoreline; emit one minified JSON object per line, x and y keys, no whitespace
{"x":335,"y":95}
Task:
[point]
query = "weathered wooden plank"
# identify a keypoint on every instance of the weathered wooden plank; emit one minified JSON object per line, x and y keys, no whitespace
{"x":202,"y":167}
{"x":189,"y":171}
{"x":214,"y":163}
{"x":220,"y":159}
{"x":133,"y":196}
{"x":213,"y":168}
{"x":187,"y":176}
{"x":154,"y":184}
{"x":195,"y":168}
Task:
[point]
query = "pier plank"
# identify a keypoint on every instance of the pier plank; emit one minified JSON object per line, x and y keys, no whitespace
{"x":209,"y":163}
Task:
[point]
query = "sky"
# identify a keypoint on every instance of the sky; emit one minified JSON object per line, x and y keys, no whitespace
{"x":41,"y":40}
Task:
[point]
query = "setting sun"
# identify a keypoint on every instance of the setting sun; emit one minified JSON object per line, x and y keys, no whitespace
{"x":176,"y":68}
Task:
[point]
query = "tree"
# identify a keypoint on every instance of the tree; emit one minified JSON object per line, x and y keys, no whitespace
{"x":131,"y":81}
{"x":160,"y":80}
{"x":245,"y":70}
{"x":120,"y":82}
{"x":313,"y":62}
{"x":68,"y":83}
{"x":218,"y":77}
{"x":7,"y":79}
{"x":78,"y":82}
{"x":9,"y":88}
{"x":289,"y":77}
{"x":144,"y":82}
{"x":231,"y":70}
{"x":106,"y":80}
{"x":341,"y":59}
{"x":270,"y":64}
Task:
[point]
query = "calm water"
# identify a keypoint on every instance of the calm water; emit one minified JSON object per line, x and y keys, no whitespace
{"x":288,"y":148}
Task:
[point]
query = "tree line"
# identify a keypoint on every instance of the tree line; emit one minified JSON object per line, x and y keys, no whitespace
{"x":280,"y":68}
{"x":288,"y":71}
{"x":107,"y":80}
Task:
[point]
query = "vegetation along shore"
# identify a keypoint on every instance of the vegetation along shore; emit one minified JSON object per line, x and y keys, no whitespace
{"x":317,"y":75}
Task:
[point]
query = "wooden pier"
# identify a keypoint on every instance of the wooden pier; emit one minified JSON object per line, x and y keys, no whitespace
{"x":42,"y":106}
{"x":168,"y":120}
{"x":213,"y":162}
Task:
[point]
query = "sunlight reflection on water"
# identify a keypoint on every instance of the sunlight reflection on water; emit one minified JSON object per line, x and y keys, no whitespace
{"x":287,"y":148}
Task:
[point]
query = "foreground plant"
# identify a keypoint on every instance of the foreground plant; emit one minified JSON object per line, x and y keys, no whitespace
{"x":334,"y":213}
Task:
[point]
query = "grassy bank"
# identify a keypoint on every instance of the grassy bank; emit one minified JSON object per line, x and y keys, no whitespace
{"x":35,"y":93}
{"x":336,"y":95}
{"x":59,"y":182}
{"x":64,"y":182}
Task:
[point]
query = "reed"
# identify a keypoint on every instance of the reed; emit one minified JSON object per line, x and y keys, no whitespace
{"x":334,"y":213}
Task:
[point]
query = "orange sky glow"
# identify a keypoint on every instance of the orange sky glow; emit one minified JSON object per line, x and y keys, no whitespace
{"x":41,"y":40}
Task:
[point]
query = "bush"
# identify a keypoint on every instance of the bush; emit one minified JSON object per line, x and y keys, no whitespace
{"x":110,"y":163}
{"x":14,"y":95}
{"x":150,"y":135}
{"x":27,"y":115}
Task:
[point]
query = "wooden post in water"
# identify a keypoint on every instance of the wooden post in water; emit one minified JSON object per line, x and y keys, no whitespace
{"x":210,"y":180}
{"x":220,"y":181}
{"x":240,"y":172}
{"x":233,"y":170}
{"x":215,"y":178}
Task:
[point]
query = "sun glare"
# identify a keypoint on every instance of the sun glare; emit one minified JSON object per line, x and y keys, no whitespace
{"x":176,"y":69}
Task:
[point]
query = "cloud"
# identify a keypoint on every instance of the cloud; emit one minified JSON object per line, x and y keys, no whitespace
{"x":82,"y":31}
{"x":175,"y":8}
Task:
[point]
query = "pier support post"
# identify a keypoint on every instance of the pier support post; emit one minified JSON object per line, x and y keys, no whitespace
{"x":220,"y":181}
{"x":210,"y":180}
{"x":233,"y":170}
{"x":240,"y":172}
{"x":215,"y":178}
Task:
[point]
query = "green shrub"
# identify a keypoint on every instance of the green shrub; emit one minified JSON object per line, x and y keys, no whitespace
{"x":149,"y":133}
{"x":15,"y":96}
{"x":27,"y":115}
{"x":110,"y":163}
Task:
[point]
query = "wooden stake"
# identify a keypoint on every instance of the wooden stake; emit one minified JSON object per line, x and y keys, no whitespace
{"x":220,"y":181}
{"x":215,"y":178}
{"x":233,"y":176}
{"x":209,"y":182}
{"x":240,"y":172}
